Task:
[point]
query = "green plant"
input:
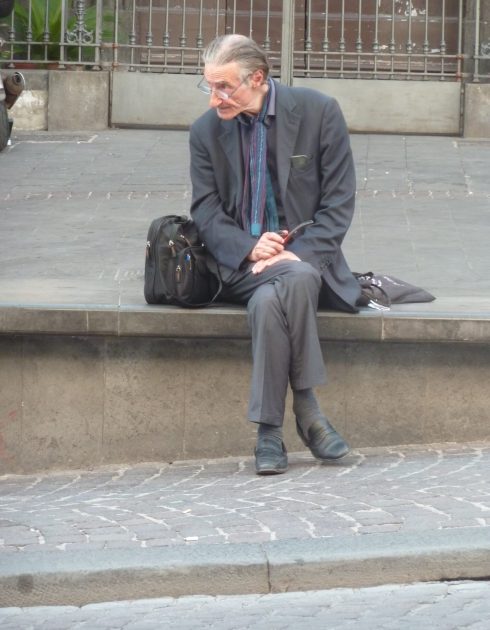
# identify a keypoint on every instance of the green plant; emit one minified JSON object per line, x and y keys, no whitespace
{"x":46,"y":22}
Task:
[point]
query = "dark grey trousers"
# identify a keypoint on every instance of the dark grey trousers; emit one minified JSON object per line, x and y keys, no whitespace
{"x":282,"y":304}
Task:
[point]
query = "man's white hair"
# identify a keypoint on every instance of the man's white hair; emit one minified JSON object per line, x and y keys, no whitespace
{"x":239,"y":49}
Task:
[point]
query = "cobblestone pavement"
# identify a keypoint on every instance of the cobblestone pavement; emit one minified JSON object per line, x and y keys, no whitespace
{"x":396,"y":490}
{"x":438,"y":606}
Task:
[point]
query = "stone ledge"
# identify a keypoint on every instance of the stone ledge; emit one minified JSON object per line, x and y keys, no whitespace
{"x":230,"y":322}
{"x":79,"y":400}
{"x":79,"y":578}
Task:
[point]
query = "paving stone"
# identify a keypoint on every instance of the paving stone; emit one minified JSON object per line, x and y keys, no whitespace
{"x":442,"y":606}
{"x":430,"y":185}
{"x":403,"y":490}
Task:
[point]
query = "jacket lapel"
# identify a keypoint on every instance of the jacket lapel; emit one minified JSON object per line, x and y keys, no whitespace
{"x":288,"y":120}
{"x":230,"y":142}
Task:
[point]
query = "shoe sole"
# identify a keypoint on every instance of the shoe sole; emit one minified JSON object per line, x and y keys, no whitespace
{"x":271,"y":471}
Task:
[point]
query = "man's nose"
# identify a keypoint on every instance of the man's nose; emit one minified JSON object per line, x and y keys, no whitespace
{"x":214,"y":99}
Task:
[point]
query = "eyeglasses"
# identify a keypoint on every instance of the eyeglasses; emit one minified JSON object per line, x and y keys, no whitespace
{"x":224,"y":94}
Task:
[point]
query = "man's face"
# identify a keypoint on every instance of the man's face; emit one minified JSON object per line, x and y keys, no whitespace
{"x":245,"y":95}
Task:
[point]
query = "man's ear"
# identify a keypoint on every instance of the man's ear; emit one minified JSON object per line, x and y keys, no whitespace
{"x":257,"y":78}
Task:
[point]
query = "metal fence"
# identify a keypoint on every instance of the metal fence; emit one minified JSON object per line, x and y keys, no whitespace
{"x":375,"y":39}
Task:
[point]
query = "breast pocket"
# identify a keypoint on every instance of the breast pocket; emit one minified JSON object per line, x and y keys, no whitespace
{"x":300,"y":162}
{"x":304,"y":170}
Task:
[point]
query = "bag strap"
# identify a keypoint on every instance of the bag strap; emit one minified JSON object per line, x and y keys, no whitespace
{"x":212,"y":266}
{"x":214,"y":269}
{"x":188,"y":231}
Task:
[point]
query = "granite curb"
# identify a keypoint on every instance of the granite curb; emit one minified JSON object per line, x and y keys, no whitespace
{"x":401,"y":324}
{"x":80,"y":578}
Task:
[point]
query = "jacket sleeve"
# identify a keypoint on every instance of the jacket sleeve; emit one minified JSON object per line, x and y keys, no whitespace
{"x":221,"y":233}
{"x":321,"y":242}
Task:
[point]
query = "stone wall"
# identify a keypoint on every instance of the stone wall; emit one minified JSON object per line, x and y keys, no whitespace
{"x":86,"y":100}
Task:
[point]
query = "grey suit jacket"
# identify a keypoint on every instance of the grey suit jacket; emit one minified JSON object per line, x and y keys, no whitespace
{"x":320,"y":186}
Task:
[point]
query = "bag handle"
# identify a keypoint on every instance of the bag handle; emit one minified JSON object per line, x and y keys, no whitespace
{"x":214,"y":269}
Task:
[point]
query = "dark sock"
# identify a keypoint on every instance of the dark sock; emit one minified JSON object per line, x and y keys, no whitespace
{"x":306,"y":408}
{"x":269,"y":431}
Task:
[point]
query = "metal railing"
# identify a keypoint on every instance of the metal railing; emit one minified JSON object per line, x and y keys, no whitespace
{"x":414,"y":39}
{"x":41,"y":33}
{"x":481,"y":56}
{"x":375,"y":39}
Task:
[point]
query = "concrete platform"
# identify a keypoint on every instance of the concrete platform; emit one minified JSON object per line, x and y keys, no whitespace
{"x":90,"y":374}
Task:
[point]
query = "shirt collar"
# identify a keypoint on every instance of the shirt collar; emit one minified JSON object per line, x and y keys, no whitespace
{"x":246,"y":120}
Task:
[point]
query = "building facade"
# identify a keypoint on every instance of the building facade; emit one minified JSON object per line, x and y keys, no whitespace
{"x":401,"y":66}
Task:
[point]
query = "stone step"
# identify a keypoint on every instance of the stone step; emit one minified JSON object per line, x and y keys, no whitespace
{"x":79,"y":578}
{"x":87,"y":385}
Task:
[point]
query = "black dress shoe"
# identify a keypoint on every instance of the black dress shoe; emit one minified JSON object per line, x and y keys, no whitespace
{"x":271,"y":457}
{"x":323,"y":440}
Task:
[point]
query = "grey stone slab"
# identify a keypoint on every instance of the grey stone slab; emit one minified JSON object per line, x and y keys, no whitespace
{"x":171,"y":321}
{"x":477,"y":101}
{"x":461,"y":380}
{"x":444,"y":320}
{"x":216,"y":399}
{"x":87,"y":95}
{"x":57,"y":320}
{"x":103,"y":321}
{"x":156,"y":109}
{"x":104,"y":575}
{"x":408,"y":116}
{"x":464,"y":328}
{"x":416,"y":391}
{"x":144,"y":407}
{"x":375,"y":401}
{"x":10,"y":403}
{"x":367,"y":326}
{"x":62,"y":401}
{"x":248,"y":568}
{"x":377,"y":559}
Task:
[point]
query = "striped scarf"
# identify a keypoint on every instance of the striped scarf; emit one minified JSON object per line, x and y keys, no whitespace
{"x":259,"y":210}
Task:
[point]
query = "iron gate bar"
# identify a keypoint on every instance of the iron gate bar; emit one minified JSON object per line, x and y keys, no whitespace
{"x":409,"y":39}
